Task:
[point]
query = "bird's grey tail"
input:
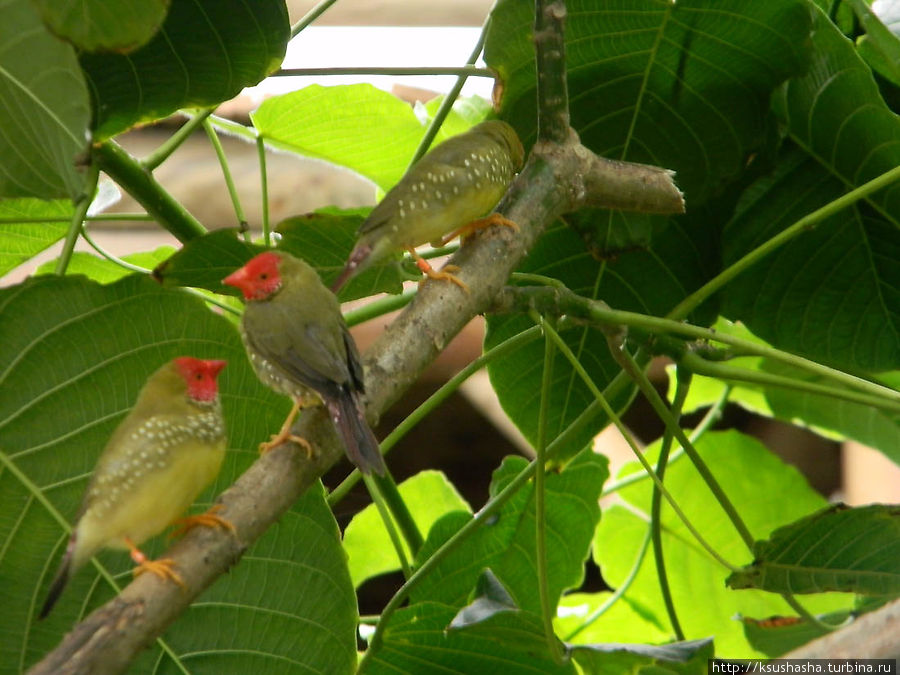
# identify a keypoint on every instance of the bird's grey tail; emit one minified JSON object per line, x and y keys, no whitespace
{"x":359,"y":441}
{"x":61,"y":579}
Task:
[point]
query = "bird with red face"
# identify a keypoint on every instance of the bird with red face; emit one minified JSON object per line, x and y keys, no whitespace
{"x":298,"y":343}
{"x":169,"y":447}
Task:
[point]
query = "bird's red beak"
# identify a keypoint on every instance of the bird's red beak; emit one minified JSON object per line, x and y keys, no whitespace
{"x":240,"y":280}
{"x":214,"y":366}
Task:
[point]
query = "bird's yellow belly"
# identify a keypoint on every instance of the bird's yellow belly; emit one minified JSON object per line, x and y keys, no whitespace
{"x":156,"y":500}
{"x":446,"y":215}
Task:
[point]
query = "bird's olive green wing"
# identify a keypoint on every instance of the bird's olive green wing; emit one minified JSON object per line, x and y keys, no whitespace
{"x":309,"y":349}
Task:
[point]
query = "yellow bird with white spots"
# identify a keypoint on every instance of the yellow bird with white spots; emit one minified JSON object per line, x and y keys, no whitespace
{"x":441,"y":196}
{"x":169,"y":447}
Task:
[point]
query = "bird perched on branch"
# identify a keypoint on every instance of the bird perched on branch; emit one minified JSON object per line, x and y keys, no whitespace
{"x":442,"y":196}
{"x":299,"y":345}
{"x":169,"y":447}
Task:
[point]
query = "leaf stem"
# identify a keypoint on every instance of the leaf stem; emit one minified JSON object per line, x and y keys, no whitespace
{"x":82,"y":204}
{"x":162,"y":153}
{"x":243,"y":225}
{"x":311,"y":16}
{"x":400,"y":512}
{"x":264,"y":190}
{"x":683,"y":383}
{"x":548,"y":610}
{"x":140,"y":184}
{"x":805,"y":223}
{"x":447,"y":104}
{"x":380,"y":307}
{"x":385,"y":512}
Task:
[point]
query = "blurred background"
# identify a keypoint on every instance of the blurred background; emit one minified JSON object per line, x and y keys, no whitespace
{"x":468,"y":436}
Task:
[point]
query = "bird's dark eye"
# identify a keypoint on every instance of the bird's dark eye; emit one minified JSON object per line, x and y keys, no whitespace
{"x":198,"y":376}
{"x":264,"y":276}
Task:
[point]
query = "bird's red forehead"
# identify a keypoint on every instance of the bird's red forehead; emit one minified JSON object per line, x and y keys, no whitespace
{"x":200,"y":376}
{"x":258,"y":278}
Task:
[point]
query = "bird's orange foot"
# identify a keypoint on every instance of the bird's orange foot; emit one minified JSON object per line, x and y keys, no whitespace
{"x":481,"y":223}
{"x":280,"y":438}
{"x":208,"y":519}
{"x":161,"y":568}
{"x":447,"y":274}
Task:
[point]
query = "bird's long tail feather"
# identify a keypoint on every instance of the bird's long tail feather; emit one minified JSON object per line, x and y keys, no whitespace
{"x":359,"y":441}
{"x":61,"y":579}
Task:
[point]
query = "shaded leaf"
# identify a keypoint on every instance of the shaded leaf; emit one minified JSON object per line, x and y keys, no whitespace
{"x":417,"y":640}
{"x":21,"y":241}
{"x":204,"y":261}
{"x":836,"y":549}
{"x":490,"y":598}
{"x":324,"y":239}
{"x":44,"y":113}
{"x":611,"y":659}
{"x":684,"y":85}
{"x":830,"y":293}
{"x":96,"y":25}
{"x":205,"y":53}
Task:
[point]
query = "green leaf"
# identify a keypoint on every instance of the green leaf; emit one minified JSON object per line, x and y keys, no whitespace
{"x":97,"y":25}
{"x":429,"y":496}
{"x":611,"y":659}
{"x":682,"y":85}
{"x":21,"y":241}
{"x":417,"y":641}
{"x":649,"y":281}
{"x":491,"y":598}
{"x":756,"y":481}
{"x":325,"y":239}
{"x":106,"y":271}
{"x":204,"y":261}
{"x":624,"y":621}
{"x":75,"y":355}
{"x":506,"y":545}
{"x":205,"y":53}
{"x":836,"y":549}
{"x":830,"y":293}
{"x":358,"y":126}
{"x":45,"y":113}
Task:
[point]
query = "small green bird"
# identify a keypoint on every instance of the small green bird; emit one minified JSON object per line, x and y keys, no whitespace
{"x":442,"y":196}
{"x":299,"y":345}
{"x":169,"y":447}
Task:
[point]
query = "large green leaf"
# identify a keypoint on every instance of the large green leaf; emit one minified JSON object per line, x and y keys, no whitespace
{"x":417,"y":641}
{"x":20,"y":241}
{"x":757,"y":482}
{"x":830,"y":293}
{"x":683,"y":85}
{"x":97,"y":25}
{"x":44,"y":110}
{"x":358,"y":126}
{"x":837,"y":549}
{"x":429,"y":496}
{"x":507,"y":545}
{"x":75,"y":355}
{"x":205,"y":53}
